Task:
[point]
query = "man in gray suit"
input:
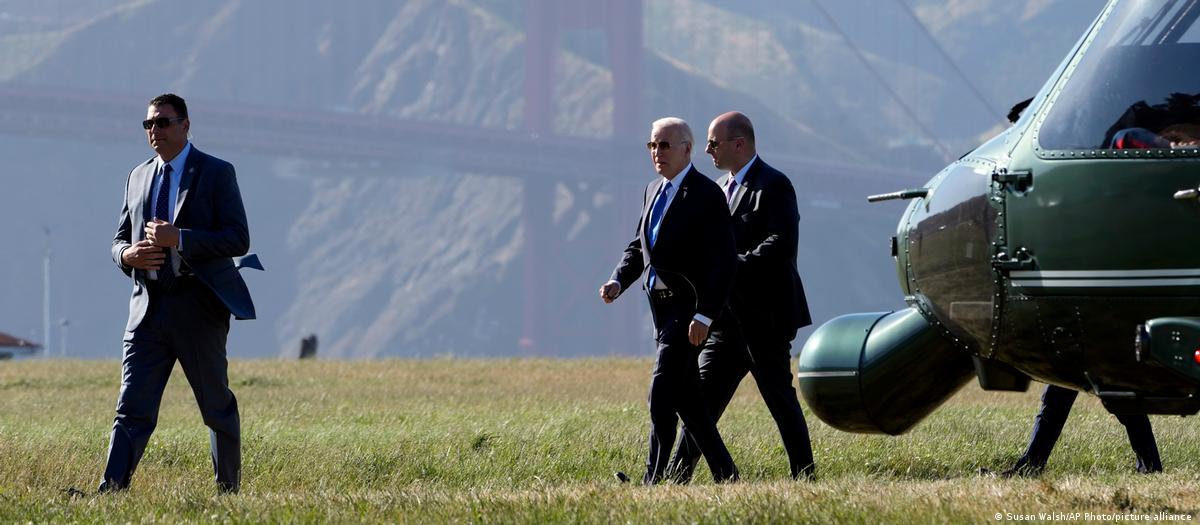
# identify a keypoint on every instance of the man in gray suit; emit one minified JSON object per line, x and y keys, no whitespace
{"x":181,"y":226}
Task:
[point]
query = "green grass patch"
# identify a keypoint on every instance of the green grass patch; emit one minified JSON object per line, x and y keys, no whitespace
{"x":536,"y":441}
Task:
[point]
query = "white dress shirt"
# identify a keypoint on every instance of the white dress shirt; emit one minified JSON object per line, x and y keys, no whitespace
{"x":740,"y":177}
{"x":177,"y":165}
{"x":670,"y":196}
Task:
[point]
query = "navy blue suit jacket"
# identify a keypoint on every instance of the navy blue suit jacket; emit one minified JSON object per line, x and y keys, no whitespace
{"x":767,"y":292}
{"x":694,"y":251}
{"x":212,"y":223}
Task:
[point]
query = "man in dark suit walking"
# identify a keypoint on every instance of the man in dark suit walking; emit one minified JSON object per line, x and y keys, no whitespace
{"x":1048,"y":426}
{"x":181,"y":225}
{"x":684,"y":247}
{"x":753,"y":334}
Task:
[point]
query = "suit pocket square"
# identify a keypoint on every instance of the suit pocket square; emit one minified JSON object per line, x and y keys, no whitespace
{"x":250,"y":260}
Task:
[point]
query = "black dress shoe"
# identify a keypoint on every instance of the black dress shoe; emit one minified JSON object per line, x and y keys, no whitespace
{"x":808,"y":473}
{"x":109,"y":486}
{"x":621,"y":477}
{"x":733,"y":477}
{"x":1027,"y":471}
{"x":1024,"y":471}
{"x":74,"y":492}
{"x":1148,"y":466}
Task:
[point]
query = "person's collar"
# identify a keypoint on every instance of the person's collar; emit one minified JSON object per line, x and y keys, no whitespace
{"x":678,"y":180}
{"x":179,"y":161}
{"x":740,"y":176}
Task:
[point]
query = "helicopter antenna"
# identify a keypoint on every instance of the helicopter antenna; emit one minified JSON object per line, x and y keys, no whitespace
{"x":908,"y":111}
{"x":953,"y":65}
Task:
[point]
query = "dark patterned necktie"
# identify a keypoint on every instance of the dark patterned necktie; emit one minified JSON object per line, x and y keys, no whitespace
{"x":730,"y":190}
{"x":162,"y":211}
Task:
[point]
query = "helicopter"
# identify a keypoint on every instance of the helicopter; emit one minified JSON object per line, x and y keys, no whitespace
{"x":1059,"y":250}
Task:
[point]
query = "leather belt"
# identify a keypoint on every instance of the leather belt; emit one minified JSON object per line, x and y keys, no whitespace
{"x":661,"y":294}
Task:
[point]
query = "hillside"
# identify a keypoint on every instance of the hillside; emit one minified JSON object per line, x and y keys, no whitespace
{"x":415,"y":260}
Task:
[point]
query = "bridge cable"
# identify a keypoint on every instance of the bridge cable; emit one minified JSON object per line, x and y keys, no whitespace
{"x":953,"y":65}
{"x":908,"y":111}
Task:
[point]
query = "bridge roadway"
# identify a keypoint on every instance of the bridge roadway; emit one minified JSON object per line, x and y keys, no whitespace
{"x":337,"y":141}
{"x":330,"y":143}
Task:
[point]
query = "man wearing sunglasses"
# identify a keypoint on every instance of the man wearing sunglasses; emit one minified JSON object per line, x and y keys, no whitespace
{"x":180,"y":228}
{"x":683,"y":254}
{"x":754,"y":333}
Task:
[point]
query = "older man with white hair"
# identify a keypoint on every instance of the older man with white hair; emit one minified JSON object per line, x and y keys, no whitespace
{"x":684,"y":248}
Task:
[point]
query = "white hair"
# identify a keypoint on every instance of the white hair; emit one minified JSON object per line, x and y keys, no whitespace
{"x":671,"y":122}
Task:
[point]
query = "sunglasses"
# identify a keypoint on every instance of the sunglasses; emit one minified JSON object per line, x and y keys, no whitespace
{"x":161,"y":122}
{"x":712,"y":144}
{"x":661,"y":145}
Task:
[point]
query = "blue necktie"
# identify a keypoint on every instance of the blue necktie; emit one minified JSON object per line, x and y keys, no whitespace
{"x":656,"y":215}
{"x":162,"y":211}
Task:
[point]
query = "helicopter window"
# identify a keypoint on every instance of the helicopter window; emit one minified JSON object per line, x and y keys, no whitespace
{"x":1135,"y":87}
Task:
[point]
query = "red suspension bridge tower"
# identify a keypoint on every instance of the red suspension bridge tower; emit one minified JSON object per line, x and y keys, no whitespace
{"x":546,"y":22}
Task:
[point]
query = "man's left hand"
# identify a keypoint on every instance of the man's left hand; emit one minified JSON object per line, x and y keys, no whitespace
{"x":697,"y":332}
{"x":162,"y":233}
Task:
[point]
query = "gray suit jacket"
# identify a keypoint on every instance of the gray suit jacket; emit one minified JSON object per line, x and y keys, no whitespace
{"x":212,"y":223}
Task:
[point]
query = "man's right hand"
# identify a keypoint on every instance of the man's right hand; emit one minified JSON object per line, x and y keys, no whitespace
{"x":143,"y":256}
{"x":610,"y":291}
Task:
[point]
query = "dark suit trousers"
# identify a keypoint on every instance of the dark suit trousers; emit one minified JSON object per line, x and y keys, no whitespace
{"x":187,"y":324}
{"x":675,"y":395}
{"x":1048,"y":425}
{"x":728,"y":355}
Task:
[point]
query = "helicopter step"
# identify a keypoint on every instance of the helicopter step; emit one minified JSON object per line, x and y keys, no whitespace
{"x":1123,"y":402}
{"x":1171,"y":342}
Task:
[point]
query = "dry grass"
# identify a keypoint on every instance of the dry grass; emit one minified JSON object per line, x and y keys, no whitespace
{"x":536,"y":441}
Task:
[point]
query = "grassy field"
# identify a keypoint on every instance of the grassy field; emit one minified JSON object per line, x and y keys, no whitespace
{"x":537,"y":441}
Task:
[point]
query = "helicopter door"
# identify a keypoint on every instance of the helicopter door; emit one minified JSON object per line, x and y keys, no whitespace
{"x":1103,"y":194}
{"x":1085,"y":226}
